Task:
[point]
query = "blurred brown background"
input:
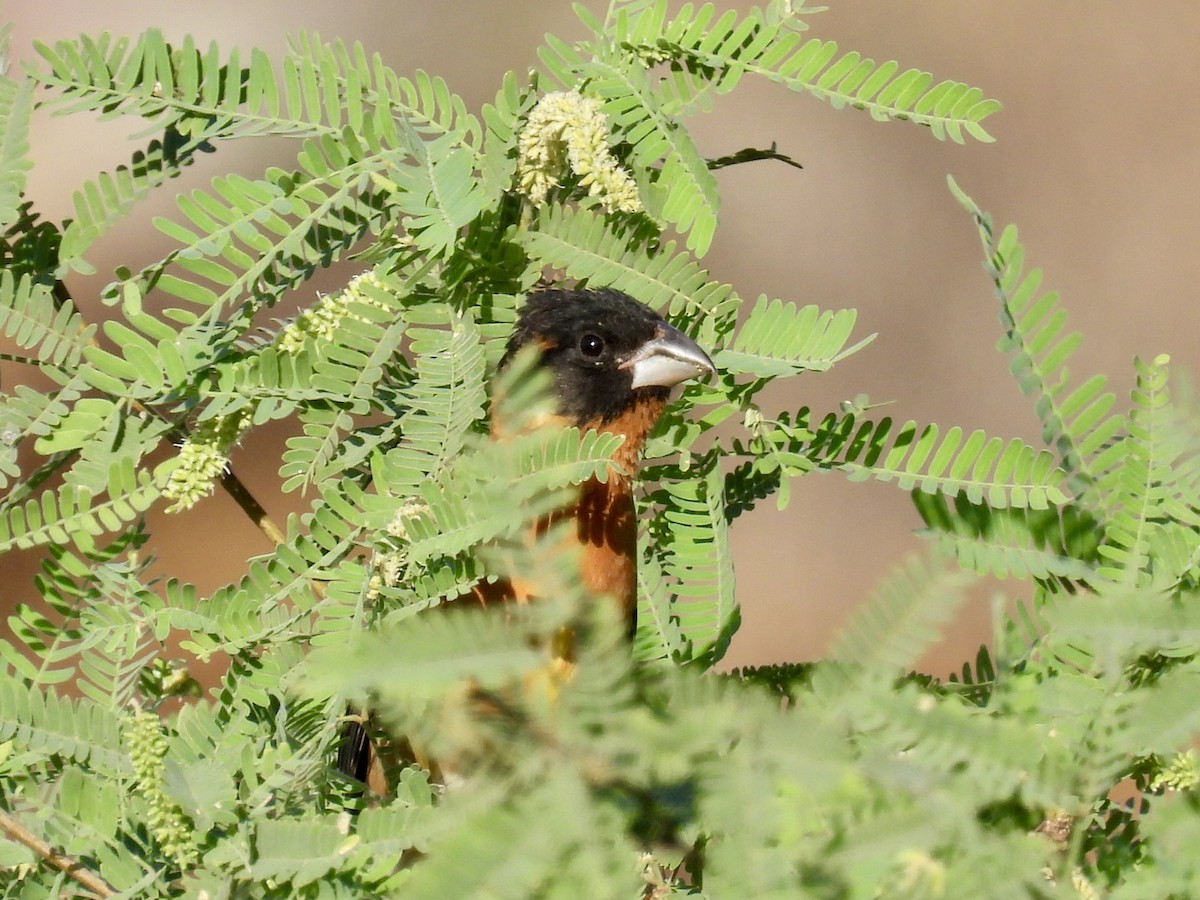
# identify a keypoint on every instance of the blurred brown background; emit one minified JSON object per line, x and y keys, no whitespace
{"x":1097,"y":159}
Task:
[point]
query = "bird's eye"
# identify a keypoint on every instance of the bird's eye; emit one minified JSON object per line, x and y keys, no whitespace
{"x":591,"y":345}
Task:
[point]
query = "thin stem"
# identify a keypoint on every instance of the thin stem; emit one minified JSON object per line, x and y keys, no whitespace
{"x":27,"y":361}
{"x":26,"y":486}
{"x":72,"y":867}
{"x":241,"y":495}
{"x":753,"y":154}
{"x":233,"y":486}
{"x":230,"y":482}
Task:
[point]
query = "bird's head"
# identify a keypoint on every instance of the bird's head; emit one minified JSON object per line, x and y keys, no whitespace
{"x":610,"y":355}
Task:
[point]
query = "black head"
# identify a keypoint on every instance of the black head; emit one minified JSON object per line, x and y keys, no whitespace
{"x":607,"y":351}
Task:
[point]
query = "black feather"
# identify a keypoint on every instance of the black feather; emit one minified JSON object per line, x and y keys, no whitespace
{"x":354,"y":754}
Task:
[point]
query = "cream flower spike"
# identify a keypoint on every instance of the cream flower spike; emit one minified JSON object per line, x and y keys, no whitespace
{"x":321,"y":321}
{"x":567,"y":131}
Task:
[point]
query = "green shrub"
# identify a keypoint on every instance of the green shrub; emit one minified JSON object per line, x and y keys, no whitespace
{"x":643,"y":774}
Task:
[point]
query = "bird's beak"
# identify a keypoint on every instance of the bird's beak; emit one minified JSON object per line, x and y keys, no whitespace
{"x":667,"y":359}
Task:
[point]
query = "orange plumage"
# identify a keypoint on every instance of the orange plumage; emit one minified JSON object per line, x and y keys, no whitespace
{"x":613,"y":362}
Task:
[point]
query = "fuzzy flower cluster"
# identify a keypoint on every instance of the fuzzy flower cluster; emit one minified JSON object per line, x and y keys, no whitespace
{"x":1180,"y":774}
{"x":322,"y":320}
{"x":1083,"y":887}
{"x":567,"y":131}
{"x":147,"y":751}
{"x":398,"y":527}
{"x":390,"y":566}
{"x":202,"y":459}
{"x":920,"y":872}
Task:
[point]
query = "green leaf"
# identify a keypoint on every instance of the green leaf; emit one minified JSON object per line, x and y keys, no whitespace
{"x":16,"y":107}
{"x":426,"y":657}
{"x":1075,"y":421}
{"x":34,"y":320}
{"x":779,"y":339}
{"x":902,"y":618}
{"x":1022,"y":543}
{"x":50,"y":725}
{"x":1143,"y":486}
{"x":444,"y":401}
{"x":439,"y":197}
{"x":299,"y":852}
{"x":74,"y":515}
{"x":1011,"y":474}
{"x":691,"y":548}
{"x":109,"y":197}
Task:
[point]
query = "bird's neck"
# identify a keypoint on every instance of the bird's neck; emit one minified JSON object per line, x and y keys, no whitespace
{"x":605,"y":522}
{"x":635,"y":424}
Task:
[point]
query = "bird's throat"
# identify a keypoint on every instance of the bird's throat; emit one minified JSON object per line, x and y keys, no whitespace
{"x":635,"y":424}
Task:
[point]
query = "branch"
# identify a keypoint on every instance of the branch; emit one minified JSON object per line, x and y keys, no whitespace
{"x":230,"y":482}
{"x":73,"y":868}
{"x":251,"y":507}
{"x":752,"y":154}
{"x":38,"y":476}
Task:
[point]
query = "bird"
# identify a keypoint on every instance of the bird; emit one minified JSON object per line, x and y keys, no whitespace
{"x":613,"y":362}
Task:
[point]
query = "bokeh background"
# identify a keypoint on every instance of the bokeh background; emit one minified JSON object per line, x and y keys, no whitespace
{"x":1097,"y":158}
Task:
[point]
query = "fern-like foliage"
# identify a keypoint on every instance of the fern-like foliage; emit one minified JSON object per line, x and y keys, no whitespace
{"x":1140,"y":485}
{"x":1056,"y":542}
{"x":778,"y":338}
{"x":694,"y":561}
{"x":896,"y":625}
{"x":1129,"y":475}
{"x":103,"y":202}
{"x":445,"y":399}
{"x":73,"y":515}
{"x":710,"y":53}
{"x":1076,"y":421}
{"x":32,"y":318}
{"x":842,"y":778}
{"x":705,"y":53}
{"x":46,"y":726}
{"x":1006,"y":473}
{"x":16,"y":107}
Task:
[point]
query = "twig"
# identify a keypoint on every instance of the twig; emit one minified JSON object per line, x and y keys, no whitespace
{"x":28,"y":485}
{"x":752,"y":154}
{"x":230,"y":482}
{"x":234,"y":487}
{"x":73,"y":868}
{"x":251,"y":507}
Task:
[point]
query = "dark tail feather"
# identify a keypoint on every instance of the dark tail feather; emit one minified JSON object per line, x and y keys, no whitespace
{"x":354,"y":756}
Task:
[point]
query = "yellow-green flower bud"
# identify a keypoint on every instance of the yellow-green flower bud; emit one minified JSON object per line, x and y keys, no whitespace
{"x":321,"y":321}
{"x":1180,"y":774}
{"x":202,"y":459}
{"x":147,"y":748}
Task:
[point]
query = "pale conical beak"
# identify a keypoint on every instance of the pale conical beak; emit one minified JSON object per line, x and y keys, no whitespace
{"x":667,"y":359}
